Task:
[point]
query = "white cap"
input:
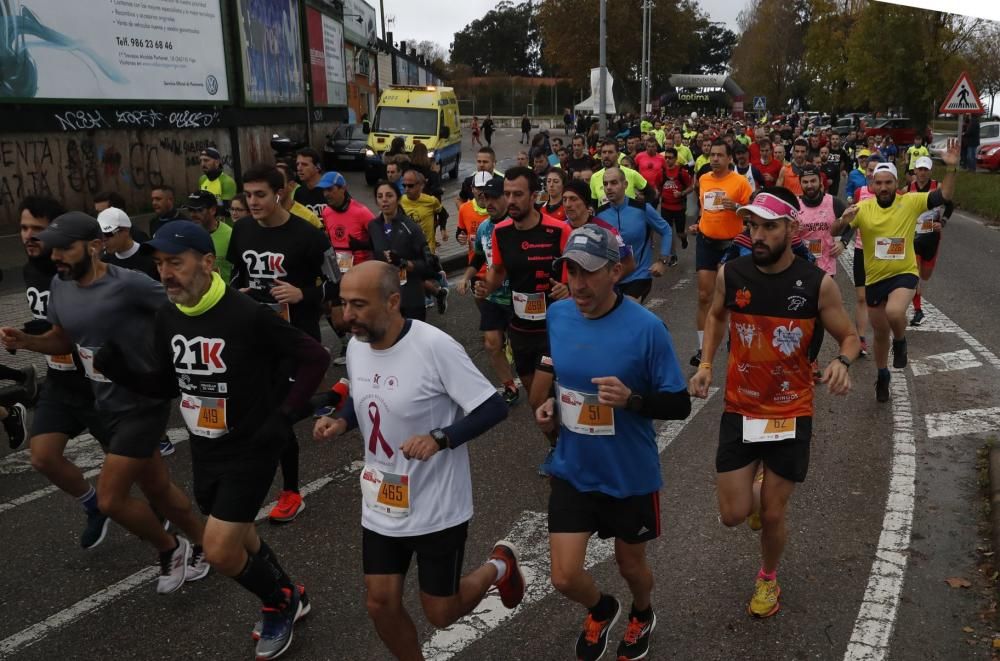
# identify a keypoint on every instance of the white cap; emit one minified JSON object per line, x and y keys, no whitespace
{"x":924,"y":162}
{"x":481,"y":179}
{"x":112,"y":218}
{"x":886,"y":167}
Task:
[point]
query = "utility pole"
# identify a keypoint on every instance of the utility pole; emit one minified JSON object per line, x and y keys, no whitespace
{"x":649,"y":54}
{"x":642,"y":66}
{"x":602,"y":95}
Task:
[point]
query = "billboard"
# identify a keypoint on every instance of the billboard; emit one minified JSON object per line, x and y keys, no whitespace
{"x":326,"y":59}
{"x":359,"y":22}
{"x":271,"y":50}
{"x":108,"y":51}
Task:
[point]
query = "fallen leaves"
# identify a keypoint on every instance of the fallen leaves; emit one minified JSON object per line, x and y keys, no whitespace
{"x":957,"y":582}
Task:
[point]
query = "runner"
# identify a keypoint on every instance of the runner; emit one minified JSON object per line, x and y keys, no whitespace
{"x":651,"y":164}
{"x":743,"y":167}
{"x":486,"y":161}
{"x":914,"y":153}
{"x":204,"y":211}
{"x":606,"y":468}
{"x":120,"y":249}
{"x":789,"y":177}
{"x":580,"y":159}
{"x":677,"y":184}
{"x":555,"y":183}
{"x":929,"y":225}
{"x":308,"y":168}
{"x":610,"y":158}
{"x":888,"y":226}
{"x":90,"y":304}
{"x":770,"y":302}
{"x":580,"y":212}
{"x":410,"y":384}
{"x":237,"y":413}
{"x":769,"y":166}
{"x":427,"y":212}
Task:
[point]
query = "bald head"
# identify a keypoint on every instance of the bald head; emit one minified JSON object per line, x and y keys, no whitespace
{"x":370,"y":297}
{"x":378,"y":278}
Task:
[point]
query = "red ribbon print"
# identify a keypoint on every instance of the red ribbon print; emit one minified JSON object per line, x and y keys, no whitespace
{"x":376,"y":435}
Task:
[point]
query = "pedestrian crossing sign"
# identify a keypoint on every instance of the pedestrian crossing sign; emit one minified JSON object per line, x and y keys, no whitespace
{"x":963,"y":98}
{"x":760,"y":103}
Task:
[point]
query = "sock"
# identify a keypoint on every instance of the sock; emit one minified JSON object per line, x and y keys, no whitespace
{"x":767,"y":577}
{"x":89,"y":501}
{"x":642,"y":616}
{"x":917,"y":302}
{"x":290,"y":464}
{"x":268,"y":555}
{"x":501,"y":568}
{"x":258,"y":576}
{"x":701,"y":339}
{"x":510,"y":385}
{"x":883,"y":373}
{"x":603,"y":609}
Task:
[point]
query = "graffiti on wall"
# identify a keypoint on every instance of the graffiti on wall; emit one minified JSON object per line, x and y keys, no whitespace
{"x":95,"y":119}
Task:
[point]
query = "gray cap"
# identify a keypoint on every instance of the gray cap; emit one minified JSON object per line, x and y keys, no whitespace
{"x":592,"y":247}
{"x":69,"y":228}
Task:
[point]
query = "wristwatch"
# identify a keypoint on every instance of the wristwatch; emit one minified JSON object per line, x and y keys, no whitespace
{"x":441,"y":438}
{"x":634,"y":403}
{"x":845,"y":360}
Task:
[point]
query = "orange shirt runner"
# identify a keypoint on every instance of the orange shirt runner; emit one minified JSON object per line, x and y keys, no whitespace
{"x":717,"y":222}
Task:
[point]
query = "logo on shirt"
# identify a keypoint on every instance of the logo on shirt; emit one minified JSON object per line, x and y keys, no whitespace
{"x":391,"y":383}
{"x":199,"y":355}
{"x":746,"y":332}
{"x":264,"y":265}
{"x":742,"y":297}
{"x":787,"y":340}
{"x":38,"y":302}
{"x":796,"y":302}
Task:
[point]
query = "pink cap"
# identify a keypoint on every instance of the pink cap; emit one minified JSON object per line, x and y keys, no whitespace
{"x":770,"y":207}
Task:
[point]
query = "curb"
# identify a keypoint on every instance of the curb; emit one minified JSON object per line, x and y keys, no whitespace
{"x":995,"y":496}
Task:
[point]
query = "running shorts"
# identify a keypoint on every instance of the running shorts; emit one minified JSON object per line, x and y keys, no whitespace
{"x":527,"y":349}
{"x":58,"y":412}
{"x":709,"y":252}
{"x":676,"y":219}
{"x":136,"y":433}
{"x":789,"y":459}
{"x":439,"y":557}
{"x":633,"y":520}
{"x":637,"y":289}
{"x":925,"y":246}
{"x":878,"y":293}
{"x":494,"y":316}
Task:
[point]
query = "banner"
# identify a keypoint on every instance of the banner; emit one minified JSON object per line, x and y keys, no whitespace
{"x":271,"y":50}
{"x":113,"y":51}
{"x":326,"y":59}
{"x":359,"y":22}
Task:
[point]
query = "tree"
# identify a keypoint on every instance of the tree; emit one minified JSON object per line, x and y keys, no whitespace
{"x":984,"y":56}
{"x":436,"y":55}
{"x":713,"y":49}
{"x":503,"y":42}
{"x":826,"y":68}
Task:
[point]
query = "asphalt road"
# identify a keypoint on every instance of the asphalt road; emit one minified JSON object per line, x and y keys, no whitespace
{"x":890,"y":509}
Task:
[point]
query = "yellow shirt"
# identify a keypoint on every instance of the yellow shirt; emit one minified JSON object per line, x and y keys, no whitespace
{"x":633,"y":181}
{"x":684,"y":155}
{"x":887,"y":236}
{"x":699,"y":162}
{"x":423,"y":210}
{"x":304,"y":213}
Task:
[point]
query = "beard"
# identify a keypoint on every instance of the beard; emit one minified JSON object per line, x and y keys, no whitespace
{"x":78,"y":270}
{"x":368,"y":334}
{"x":763,"y":255}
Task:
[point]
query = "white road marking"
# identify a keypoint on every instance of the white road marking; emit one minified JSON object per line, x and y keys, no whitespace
{"x":530,"y":536}
{"x":945,"y":362}
{"x":84,"y":452}
{"x":102,"y":598}
{"x":977,"y":346}
{"x":961,"y":423}
{"x":877,"y":615}
{"x":681,"y":284}
{"x":654,"y":303}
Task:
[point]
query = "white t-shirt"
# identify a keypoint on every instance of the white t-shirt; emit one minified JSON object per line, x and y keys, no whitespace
{"x":425,"y":381}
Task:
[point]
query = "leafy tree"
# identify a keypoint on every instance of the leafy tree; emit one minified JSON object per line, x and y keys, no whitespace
{"x":504,"y":41}
{"x":713,"y":49}
{"x":984,"y":58}
{"x":826,"y":66}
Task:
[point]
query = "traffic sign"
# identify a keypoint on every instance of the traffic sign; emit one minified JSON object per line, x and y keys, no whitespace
{"x":963,"y":98}
{"x":760,"y":103}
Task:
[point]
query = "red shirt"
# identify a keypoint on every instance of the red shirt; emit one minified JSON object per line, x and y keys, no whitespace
{"x":676,"y":179}
{"x":773,"y":169}
{"x":651,"y":168}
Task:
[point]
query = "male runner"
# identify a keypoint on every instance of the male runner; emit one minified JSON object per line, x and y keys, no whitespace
{"x":677,"y":184}
{"x":90,"y":304}
{"x":580,"y":212}
{"x":789,"y":177}
{"x":119,"y":248}
{"x":486,"y":161}
{"x":635,"y":183}
{"x":888,"y":224}
{"x":606,"y":468}
{"x":914,"y":153}
{"x":410,"y":385}
{"x":309,"y":170}
{"x":929,"y":225}
{"x":770,"y":302}
{"x":225,"y":355}
{"x":580,"y":159}
{"x":203,"y":211}
{"x":427,"y":212}
{"x":743,"y":167}
{"x":651,"y":164}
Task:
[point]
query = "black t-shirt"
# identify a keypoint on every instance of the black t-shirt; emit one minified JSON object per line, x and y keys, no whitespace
{"x":574,"y":164}
{"x":294,"y":252}
{"x":839,"y":160}
{"x":527,"y":257}
{"x":311,"y":198}
{"x":138,"y":261}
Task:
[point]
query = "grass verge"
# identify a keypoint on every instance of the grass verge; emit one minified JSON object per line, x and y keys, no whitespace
{"x":977,"y":193}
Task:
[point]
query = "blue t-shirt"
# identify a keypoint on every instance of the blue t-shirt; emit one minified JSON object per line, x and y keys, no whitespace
{"x":626,"y":463}
{"x":636,"y":221}
{"x":484,"y":246}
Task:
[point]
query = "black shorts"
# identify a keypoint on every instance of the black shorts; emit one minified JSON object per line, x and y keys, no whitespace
{"x":233,"y":489}
{"x":925,"y":246}
{"x":676,"y":219}
{"x":633,"y":520}
{"x":789,"y":459}
{"x":439,"y":557}
{"x":878,"y":293}
{"x":637,"y":289}
{"x":494,"y":316}
{"x":859,"y":267}
{"x":136,"y":433}
{"x":527,"y":349}
{"x":58,"y":412}
{"x":708,"y":252}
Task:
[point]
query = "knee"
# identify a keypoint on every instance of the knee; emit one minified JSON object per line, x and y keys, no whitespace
{"x":772,"y":517}
{"x":108,"y":502}
{"x":731,"y":518}
{"x":491,"y":343}
{"x":43,"y":459}
{"x":563,"y":580}
{"x":381,"y":606}
{"x":228,"y":560}
{"x":631,"y":568}
{"x":439,"y":616}
{"x":704,"y":296}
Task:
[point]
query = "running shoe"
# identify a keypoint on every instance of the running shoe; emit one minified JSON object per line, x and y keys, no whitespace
{"x":289,"y":506}
{"x":303,"y":597}
{"x":342,"y":358}
{"x":899,"y":353}
{"x":198,"y":567}
{"x":684,"y":242}
{"x":30,"y":384}
{"x":543,"y":468}
{"x":277,"y":624}
{"x":918,"y":316}
{"x":95,"y":530}
{"x":696,"y":359}
{"x":442,"y":300}
{"x":593,"y":640}
{"x":428,"y":301}
{"x":510,"y":395}
{"x":672,"y":261}
{"x":173,"y":567}
{"x":166,"y":447}
{"x":635,"y":643}
{"x":511,"y":587}
{"x":882,"y":389}
{"x":16,"y":425}
{"x":765,"y":600}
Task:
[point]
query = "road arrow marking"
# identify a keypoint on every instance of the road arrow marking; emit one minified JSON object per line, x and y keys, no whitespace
{"x":962,"y":423}
{"x":945,"y":362}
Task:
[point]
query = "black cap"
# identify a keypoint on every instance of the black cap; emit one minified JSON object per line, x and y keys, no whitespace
{"x":68,"y":228}
{"x":581,"y":189}
{"x":179,"y":236}
{"x":202,"y":199}
{"x":493,"y":187}
{"x":211,"y":152}
{"x":810,"y":169}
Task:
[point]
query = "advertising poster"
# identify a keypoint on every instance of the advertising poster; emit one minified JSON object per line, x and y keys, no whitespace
{"x":326,"y":59}
{"x":359,"y":22}
{"x":114,"y":50}
{"x":271,"y":52}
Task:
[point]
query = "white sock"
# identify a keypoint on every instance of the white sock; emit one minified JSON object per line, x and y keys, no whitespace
{"x":701,"y":339}
{"x":501,"y":568}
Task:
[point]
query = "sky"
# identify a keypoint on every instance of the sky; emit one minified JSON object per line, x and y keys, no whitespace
{"x":439,"y":20}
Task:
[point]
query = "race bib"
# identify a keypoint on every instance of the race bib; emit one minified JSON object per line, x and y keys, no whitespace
{"x":581,"y":413}
{"x":890,"y":248}
{"x":712,"y":200}
{"x":386,"y":493}
{"x":87,"y":358}
{"x":815,"y":247}
{"x":765,"y":431}
{"x":925,"y":222}
{"x":530,"y":307}
{"x":204,"y":416}
{"x":345,"y":260}
{"x":62,"y":363}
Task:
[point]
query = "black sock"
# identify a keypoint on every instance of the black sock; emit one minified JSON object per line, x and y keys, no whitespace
{"x":268,"y":555}
{"x":290,"y":464}
{"x":258,"y":576}
{"x":642,"y":616}
{"x":604,"y":608}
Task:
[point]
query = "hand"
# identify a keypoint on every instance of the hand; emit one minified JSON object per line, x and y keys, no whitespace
{"x":444,"y":235}
{"x":768,"y":179}
{"x":699,"y":383}
{"x":559,"y":291}
{"x":658,"y":269}
{"x":479,"y":289}
{"x":951,"y":156}
{"x":462,"y":286}
{"x":327,"y":428}
{"x":850,"y":212}
{"x":545,"y":416}
{"x":286,"y":293}
{"x":13,"y":338}
{"x":244,"y":290}
{"x":693,"y":229}
{"x":420,"y":448}
{"x":836,"y":378}
{"x":838,"y":247}
{"x":937,"y":226}
{"x":611,"y":391}
{"x":678,"y":193}
{"x":729,"y":205}
{"x":462,"y":238}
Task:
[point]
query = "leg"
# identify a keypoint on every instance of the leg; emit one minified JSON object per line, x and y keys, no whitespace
{"x":168,"y":499}
{"x":290,"y":465}
{"x":880,"y":325}
{"x":384,"y":601}
{"x":47,"y":458}
{"x":774,"y":503}
{"x":226,"y":545}
{"x":895,"y":310}
{"x":444,"y":611}
{"x":860,"y":311}
{"x":706,"y":285}
{"x":568,"y":551}
{"x":635,"y":570}
{"x":735,"y":491}
{"x":493,"y":343}
{"x":118,"y":475}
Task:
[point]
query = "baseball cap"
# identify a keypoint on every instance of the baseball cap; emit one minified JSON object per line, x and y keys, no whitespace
{"x":886,"y":167}
{"x":864,"y":153}
{"x":211,"y":152}
{"x":581,"y":189}
{"x":331,"y":179}
{"x":809,"y":169}
{"x":493,"y":187}
{"x":770,"y":207}
{"x":111,"y":219}
{"x":923,"y":162}
{"x":202,"y":199}
{"x":592,"y":247}
{"x":68,"y":228}
{"x":179,"y":236}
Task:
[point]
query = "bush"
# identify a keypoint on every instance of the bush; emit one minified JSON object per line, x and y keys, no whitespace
{"x":977,"y":193}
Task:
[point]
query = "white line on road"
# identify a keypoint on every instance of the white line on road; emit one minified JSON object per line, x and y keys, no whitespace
{"x":681,"y":284}
{"x":945,"y":362}
{"x":961,"y":423}
{"x":977,"y":346}
{"x":530,"y":536}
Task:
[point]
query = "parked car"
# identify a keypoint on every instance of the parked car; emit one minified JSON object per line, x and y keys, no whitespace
{"x":345,"y":146}
{"x":900,"y":129}
{"x":988,"y":157}
{"x":989,"y":135}
{"x":850,"y":122}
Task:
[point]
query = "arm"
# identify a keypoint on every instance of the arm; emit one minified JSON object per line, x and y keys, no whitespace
{"x":781,"y":177}
{"x":306,"y":354}
{"x":160,"y":383}
{"x":838,"y":210}
{"x":950,"y":159}
{"x":715,"y":327}
{"x":55,"y":342}
{"x":842,"y":223}
{"x":837,"y":322}
{"x":480,"y":420}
